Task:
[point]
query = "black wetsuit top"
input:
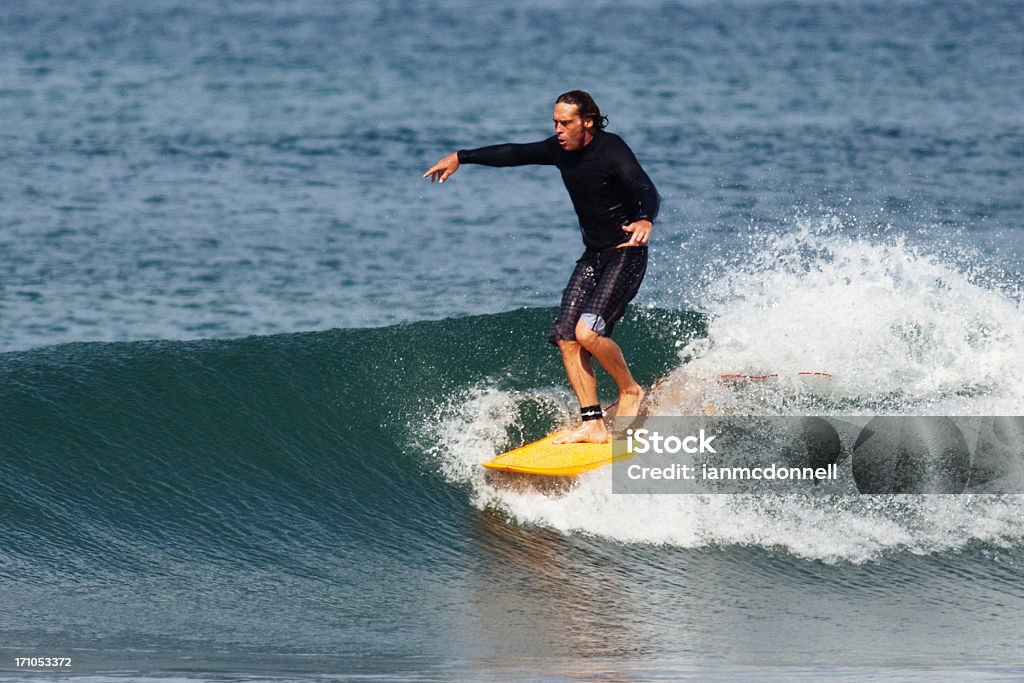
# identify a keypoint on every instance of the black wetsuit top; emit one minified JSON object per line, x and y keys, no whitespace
{"x":607,"y":186}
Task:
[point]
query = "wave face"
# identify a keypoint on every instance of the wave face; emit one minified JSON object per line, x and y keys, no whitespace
{"x":251,"y":450}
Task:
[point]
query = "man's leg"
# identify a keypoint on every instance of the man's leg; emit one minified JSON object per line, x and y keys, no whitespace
{"x":595,"y":298}
{"x":577,"y":360}
{"x":580,"y":371}
{"x":609,"y":355}
{"x":619,"y":280}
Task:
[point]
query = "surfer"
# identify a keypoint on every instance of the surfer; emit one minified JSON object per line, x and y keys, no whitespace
{"x":616,"y":203}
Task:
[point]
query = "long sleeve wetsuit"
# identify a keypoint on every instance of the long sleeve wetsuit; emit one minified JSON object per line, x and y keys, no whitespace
{"x":607,"y":186}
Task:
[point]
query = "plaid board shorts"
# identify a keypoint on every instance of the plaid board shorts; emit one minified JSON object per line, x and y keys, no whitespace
{"x":601,"y":285}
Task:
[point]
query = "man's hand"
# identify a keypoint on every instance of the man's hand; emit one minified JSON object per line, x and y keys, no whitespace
{"x":640,"y":232}
{"x":444,"y":168}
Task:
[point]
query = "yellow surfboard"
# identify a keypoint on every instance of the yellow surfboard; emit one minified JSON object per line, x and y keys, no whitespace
{"x":547,"y":458}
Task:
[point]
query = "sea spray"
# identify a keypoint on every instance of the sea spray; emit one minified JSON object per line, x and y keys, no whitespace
{"x":885,"y":327}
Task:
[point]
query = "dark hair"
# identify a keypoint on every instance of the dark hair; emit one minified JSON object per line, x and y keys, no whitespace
{"x":586,"y":105}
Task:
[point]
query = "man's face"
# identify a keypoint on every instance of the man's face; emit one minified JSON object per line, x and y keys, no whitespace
{"x":573,"y":132}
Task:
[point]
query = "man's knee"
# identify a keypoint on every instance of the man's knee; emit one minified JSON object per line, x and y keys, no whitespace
{"x":569,"y":346}
{"x":585,"y":335}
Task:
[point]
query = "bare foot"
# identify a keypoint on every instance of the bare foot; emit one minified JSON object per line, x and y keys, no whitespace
{"x":629,"y":401}
{"x":591,"y":431}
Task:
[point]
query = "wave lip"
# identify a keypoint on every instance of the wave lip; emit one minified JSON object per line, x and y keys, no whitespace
{"x":902,"y":330}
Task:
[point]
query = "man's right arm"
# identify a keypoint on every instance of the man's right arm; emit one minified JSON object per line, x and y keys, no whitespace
{"x":495,"y":155}
{"x":509,"y":154}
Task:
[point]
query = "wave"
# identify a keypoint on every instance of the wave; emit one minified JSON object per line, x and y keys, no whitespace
{"x":303,"y":450}
{"x":277,"y":450}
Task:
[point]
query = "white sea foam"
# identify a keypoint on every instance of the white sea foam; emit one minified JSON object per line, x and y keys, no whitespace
{"x":900,"y":331}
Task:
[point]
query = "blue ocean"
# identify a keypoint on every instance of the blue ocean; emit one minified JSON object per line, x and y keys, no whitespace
{"x":251,"y":361}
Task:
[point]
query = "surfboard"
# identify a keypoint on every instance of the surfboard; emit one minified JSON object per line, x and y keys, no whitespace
{"x":546,"y":458}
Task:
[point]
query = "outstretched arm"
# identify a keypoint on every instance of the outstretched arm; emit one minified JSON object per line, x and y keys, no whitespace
{"x":441,"y":170}
{"x":496,"y":155}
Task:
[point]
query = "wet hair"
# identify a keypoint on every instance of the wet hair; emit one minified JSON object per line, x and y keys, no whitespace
{"x":586,"y":105}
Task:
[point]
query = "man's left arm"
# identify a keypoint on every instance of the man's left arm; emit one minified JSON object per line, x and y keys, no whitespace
{"x":637,"y":184}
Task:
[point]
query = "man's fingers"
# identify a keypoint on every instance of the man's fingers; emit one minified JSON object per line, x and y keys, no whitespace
{"x":436,"y":171}
{"x":442,"y":169}
{"x":639,"y":234}
{"x":438,"y":174}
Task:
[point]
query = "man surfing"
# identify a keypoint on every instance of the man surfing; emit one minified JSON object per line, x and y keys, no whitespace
{"x":616,"y":203}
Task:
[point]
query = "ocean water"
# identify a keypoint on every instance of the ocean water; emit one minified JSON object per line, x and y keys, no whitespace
{"x":250,"y":360}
